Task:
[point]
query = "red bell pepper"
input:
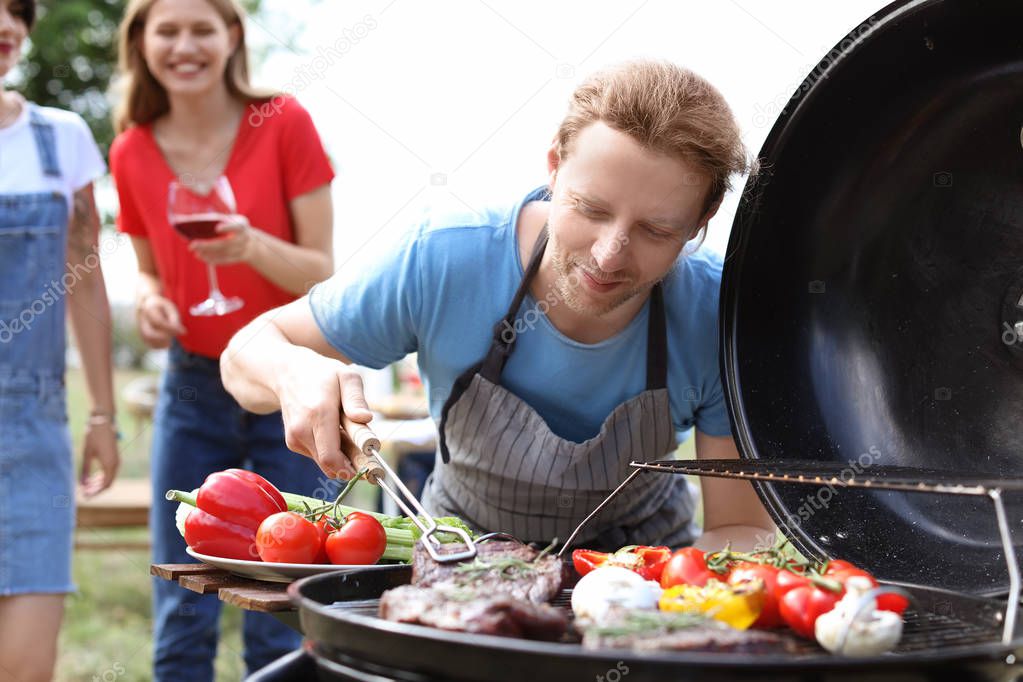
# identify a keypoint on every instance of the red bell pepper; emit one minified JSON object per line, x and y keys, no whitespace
{"x":207,"y":534}
{"x":230,"y":505}
{"x":648,"y":562}
{"x":264,"y":484}
{"x":240,"y":498}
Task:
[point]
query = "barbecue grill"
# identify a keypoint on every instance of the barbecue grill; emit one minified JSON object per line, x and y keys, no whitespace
{"x":948,"y":634}
{"x":872,"y":339}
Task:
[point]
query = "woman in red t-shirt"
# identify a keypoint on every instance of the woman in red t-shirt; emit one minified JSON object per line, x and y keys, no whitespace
{"x":189,"y":114}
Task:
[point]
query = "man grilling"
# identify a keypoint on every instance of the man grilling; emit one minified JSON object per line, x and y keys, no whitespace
{"x":559,"y":338}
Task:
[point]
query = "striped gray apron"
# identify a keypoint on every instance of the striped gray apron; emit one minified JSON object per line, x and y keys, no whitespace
{"x":501,"y":468}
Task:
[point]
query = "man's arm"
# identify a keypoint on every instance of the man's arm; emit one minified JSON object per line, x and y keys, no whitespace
{"x":281,"y":360}
{"x":732,"y":512}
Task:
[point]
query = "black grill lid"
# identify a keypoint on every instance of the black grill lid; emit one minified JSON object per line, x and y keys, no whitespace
{"x":873,"y":284}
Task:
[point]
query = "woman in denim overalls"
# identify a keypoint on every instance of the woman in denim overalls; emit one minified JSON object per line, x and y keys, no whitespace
{"x":47,"y":252}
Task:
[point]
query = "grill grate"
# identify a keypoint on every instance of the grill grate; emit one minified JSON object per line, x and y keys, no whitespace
{"x":879,"y":477}
{"x":817,"y":473}
{"x":923,"y":631}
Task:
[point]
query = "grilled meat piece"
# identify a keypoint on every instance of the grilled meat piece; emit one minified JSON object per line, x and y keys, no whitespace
{"x":500,"y":568}
{"x":663,"y":631}
{"x":501,"y":592}
{"x":450,"y":607}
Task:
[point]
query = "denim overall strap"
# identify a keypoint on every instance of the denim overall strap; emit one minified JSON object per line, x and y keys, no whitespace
{"x":46,"y":143}
{"x":33,"y":281}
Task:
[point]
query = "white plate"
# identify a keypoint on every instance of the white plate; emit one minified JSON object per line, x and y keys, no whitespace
{"x":283,"y":573}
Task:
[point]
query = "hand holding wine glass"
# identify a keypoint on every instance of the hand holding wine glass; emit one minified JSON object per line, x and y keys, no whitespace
{"x":195,"y":212}
{"x":234,"y":243}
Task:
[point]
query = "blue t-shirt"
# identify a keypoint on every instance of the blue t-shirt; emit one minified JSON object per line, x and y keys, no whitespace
{"x":451,"y":279}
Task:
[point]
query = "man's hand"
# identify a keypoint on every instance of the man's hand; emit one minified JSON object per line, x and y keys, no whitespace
{"x":312,"y":391}
{"x":159,"y":321}
{"x":99,"y":448}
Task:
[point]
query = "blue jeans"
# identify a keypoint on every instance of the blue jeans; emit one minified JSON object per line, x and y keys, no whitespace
{"x":199,"y":429}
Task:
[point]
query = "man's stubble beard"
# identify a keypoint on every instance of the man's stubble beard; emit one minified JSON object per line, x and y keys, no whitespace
{"x":567,"y":284}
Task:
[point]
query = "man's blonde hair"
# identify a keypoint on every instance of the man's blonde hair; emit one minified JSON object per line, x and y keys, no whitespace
{"x":668,"y":109}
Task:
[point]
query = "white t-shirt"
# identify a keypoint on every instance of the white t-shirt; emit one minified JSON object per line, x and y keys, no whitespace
{"x":21,"y":168}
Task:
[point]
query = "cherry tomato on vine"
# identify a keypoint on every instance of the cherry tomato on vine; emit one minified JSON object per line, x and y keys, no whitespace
{"x":688,"y":566}
{"x":360,"y":540}
{"x":801,"y":606}
{"x":289,"y":538}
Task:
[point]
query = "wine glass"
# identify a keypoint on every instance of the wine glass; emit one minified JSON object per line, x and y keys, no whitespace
{"x":195,"y":211}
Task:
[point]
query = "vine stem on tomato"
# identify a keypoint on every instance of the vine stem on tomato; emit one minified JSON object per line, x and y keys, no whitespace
{"x":775,"y":556}
{"x":335,"y":514}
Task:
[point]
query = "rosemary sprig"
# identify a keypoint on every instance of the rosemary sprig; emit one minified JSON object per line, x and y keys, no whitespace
{"x":649,"y":622}
{"x":777,"y":556}
{"x":507,"y":568}
{"x":545,"y":551}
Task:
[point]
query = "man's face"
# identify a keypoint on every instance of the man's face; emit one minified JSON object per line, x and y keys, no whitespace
{"x":620,"y":215}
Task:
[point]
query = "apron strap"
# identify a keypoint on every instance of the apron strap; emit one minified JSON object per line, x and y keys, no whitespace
{"x":656,"y":342}
{"x":460,"y":386}
{"x":46,"y":144}
{"x":504,"y":331}
{"x":501,"y":346}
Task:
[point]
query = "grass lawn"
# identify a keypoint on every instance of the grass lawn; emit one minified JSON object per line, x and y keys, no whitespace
{"x":107,"y":633}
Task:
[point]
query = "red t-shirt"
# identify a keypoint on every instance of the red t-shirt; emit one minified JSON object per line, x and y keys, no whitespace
{"x":277,"y":156}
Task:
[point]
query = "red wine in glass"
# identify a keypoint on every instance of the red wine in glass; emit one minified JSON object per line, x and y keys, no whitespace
{"x":199,"y":226}
{"x":195,"y":211}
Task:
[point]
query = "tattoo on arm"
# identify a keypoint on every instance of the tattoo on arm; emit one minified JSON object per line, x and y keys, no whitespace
{"x":82,"y":228}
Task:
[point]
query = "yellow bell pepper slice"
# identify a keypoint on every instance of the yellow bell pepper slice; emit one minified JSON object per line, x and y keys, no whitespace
{"x":736,"y":605}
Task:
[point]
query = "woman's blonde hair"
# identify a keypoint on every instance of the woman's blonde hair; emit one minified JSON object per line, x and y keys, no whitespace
{"x":668,"y":109}
{"x":143,"y":99}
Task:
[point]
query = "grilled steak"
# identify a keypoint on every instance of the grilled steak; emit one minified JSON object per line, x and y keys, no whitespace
{"x":449,"y":607}
{"x":500,"y":568}
{"x":661,"y":631}
{"x":501,"y":592}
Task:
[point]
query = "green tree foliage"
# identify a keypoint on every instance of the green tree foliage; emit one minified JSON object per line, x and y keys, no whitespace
{"x":73,"y":57}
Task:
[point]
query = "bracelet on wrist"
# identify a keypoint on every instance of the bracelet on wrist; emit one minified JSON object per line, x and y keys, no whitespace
{"x":100,"y":417}
{"x":103,"y":418}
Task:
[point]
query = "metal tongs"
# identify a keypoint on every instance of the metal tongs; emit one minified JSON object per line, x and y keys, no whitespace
{"x":378,"y":472}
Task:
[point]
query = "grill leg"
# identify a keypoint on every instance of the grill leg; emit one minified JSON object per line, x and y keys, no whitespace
{"x":1012,"y":604}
